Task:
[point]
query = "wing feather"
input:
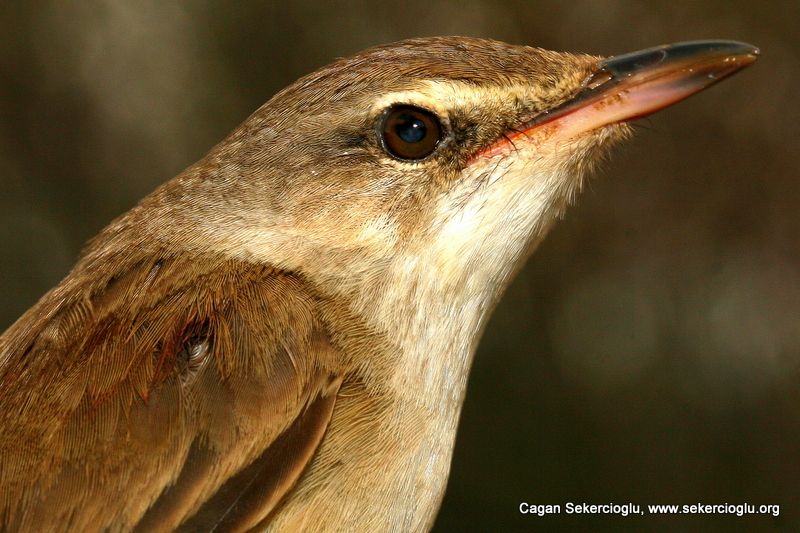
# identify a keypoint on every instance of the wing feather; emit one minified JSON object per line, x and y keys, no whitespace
{"x":166,"y":393}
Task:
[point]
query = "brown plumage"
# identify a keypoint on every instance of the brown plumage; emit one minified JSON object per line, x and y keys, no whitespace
{"x":184,"y":372}
{"x":279,"y":337}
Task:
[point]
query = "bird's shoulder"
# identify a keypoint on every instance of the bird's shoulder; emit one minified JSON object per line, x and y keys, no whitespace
{"x":139,"y":373}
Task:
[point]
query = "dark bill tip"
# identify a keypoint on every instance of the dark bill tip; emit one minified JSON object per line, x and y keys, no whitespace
{"x":634,"y":85}
{"x":630,"y":86}
{"x":679,"y":53}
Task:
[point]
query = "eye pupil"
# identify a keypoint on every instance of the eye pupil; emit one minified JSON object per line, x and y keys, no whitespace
{"x":410,"y":129}
{"x":409,"y":132}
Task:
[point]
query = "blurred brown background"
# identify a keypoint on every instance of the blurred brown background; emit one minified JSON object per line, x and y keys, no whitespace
{"x":650,"y":351}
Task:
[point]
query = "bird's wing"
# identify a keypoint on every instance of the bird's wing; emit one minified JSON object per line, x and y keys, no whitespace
{"x":161,"y":394}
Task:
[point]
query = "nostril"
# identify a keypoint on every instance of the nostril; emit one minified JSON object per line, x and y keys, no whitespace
{"x":601,"y":77}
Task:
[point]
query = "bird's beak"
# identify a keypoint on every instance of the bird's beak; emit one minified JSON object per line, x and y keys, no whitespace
{"x":634,"y":85}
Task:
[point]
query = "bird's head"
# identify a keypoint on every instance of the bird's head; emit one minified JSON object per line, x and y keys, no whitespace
{"x":450,"y":156}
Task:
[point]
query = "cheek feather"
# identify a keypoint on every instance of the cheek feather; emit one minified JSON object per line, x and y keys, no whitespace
{"x":379,"y":231}
{"x":503,"y":203}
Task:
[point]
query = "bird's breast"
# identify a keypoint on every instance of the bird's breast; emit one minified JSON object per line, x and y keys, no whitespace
{"x":382,"y":466}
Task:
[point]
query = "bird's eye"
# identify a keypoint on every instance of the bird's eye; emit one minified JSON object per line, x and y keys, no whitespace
{"x":410,"y":132}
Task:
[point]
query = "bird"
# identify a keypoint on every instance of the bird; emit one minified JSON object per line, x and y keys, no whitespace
{"x":279,"y":338}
